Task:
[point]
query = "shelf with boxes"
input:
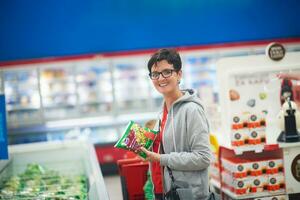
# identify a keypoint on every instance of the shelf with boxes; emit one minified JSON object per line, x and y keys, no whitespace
{"x":250,"y":100}
{"x":252,"y":175}
{"x":251,"y":163}
{"x":248,"y":132}
{"x":249,"y":175}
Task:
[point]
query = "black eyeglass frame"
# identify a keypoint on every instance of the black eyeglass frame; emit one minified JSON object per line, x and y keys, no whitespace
{"x":161,"y":73}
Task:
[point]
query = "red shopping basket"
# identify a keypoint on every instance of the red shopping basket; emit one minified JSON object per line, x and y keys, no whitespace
{"x":133,"y":174}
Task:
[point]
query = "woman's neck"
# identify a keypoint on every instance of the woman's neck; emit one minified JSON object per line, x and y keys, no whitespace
{"x":171,"y":98}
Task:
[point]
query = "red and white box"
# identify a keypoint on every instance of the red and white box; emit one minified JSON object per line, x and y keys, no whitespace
{"x":239,"y":137}
{"x":257,"y":136}
{"x":239,"y":168}
{"x":239,"y":186}
{"x":258,"y":167}
{"x":254,"y":120}
{"x":239,"y":121}
{"x":276,"y":182}
{"x":259,"y":183}
{"x":279,"y":197}
{"x":274,"y":166}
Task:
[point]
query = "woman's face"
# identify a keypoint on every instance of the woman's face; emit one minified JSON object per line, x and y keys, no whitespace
{"x":169,"y":83}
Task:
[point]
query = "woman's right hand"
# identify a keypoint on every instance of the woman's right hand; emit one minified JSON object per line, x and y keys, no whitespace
{"x":151,"y":156}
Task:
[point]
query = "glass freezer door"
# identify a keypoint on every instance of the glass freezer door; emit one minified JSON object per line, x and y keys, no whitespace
{"x":58,"y":91}
{"x":132,"y":85}
{"x":22,"y":96}
{"x":94,"y":87}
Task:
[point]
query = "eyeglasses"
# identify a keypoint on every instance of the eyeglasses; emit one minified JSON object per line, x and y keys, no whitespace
{"x":165,"y":73}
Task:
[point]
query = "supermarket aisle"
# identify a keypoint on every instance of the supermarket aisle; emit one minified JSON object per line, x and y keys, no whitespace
{"x":113,"y":186}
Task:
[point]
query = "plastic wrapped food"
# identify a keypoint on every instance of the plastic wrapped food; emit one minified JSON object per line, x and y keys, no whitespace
{"x":38,"y":183}
{"x":135,"y":137}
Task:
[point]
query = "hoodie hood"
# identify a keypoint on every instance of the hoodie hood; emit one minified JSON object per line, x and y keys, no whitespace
{"x":189,"y":96}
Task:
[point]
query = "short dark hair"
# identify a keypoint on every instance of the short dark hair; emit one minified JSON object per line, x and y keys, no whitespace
{"x":170,"y":55}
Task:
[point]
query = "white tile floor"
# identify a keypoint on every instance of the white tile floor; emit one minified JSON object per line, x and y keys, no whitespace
{"x":113,"y":186}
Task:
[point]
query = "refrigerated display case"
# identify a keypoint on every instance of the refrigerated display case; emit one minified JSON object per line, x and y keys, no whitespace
{"x":85,"y":89}
{"x":23,"y":101}
{"x":67,"y":158}
{"x":111,"y":86}
{"x":200,"y":73}
{"x":58,"y":91}
{"x":132,"y":85}
{"x":94,"y":87}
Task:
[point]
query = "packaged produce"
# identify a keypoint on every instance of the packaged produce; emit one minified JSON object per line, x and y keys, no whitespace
{"x":135,"y":137}
{"x":38,"y":183}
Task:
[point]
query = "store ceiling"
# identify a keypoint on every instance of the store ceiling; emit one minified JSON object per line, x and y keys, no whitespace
{"x":38,"y":29}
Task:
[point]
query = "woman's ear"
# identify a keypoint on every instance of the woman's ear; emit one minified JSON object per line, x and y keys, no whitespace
{"x":179,"y":74}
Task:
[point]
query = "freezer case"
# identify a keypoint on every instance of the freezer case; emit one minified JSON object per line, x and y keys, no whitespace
{"x":66,"y":157}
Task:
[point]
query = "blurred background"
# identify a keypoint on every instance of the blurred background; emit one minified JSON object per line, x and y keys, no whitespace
{"x":72,"y":69}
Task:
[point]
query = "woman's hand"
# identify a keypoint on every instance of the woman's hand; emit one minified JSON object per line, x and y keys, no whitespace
{"x":151,"y":156}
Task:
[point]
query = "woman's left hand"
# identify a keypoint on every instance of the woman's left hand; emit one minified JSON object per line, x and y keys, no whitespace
{"x":151,"y":156}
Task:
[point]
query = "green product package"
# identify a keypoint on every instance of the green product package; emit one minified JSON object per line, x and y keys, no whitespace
{"x":149,"y":187}
{"x":135,"y":137}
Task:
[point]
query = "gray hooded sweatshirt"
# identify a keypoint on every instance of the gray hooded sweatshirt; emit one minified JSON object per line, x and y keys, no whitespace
{"x":186,"y":145}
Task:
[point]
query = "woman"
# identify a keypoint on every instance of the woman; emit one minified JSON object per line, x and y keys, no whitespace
{"x":183,"y":142}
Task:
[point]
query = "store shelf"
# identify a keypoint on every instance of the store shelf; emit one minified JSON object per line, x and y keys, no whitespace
{"x":100,"y":129}
{"x":102,"y":121}
{"x":16,"y":108}
{"x":255,"y":165}
{"x":62,"y":80}
{"x":59,"y":93}
{"x":59,"y":106}
{"x":251,"y":196}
